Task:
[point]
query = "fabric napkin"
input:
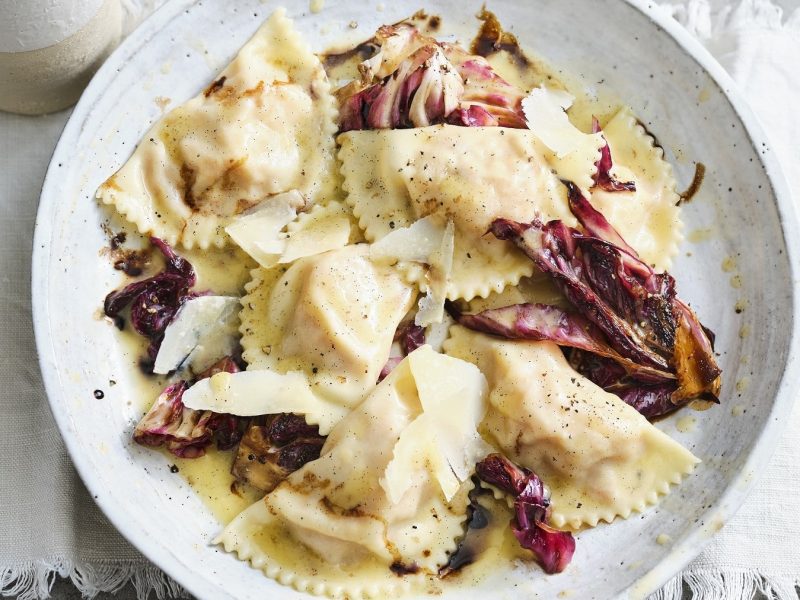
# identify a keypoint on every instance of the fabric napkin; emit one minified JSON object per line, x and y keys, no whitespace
{"x":50,"y":526}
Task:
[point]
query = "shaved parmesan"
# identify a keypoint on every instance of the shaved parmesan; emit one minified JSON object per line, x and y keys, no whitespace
{"x":253,"y":393}
{"x":436,"y":333}
{"x":324,"y":229}
{"x":452,"y":393}
{"x":258,"y":232}
{"x":415,"y":243}
{"x":444,"y":437}
{"x":545,"y":112}
{"x":431,"y":305}
{"x":414,"y":451}
{"x":204,"y":330}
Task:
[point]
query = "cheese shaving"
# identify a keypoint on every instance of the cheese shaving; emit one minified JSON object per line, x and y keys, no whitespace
{"x":545,"y":111}
{"x":444,"y":437}
{"x":205,"y":329}
{"x":415,"y":243}
{"x":258,"y":232}
{"x":253,"y":393}
{"x":431,"y":305}
{"x":322,"y":229}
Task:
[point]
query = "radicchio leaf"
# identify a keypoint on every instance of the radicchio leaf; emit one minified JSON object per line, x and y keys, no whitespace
{"x":410,"y":336}
{"x":273,"y":449}
{"x":472,"y":116}
{"x":603,"y":177}
{"x":423,"y":90}
{"x":697,"y":369}
{"x":554,"y":249}
{"x":485,"y":89}
{"x":156,"y":300}
{"x":662,"y":355}
{"x":414,"y":81}
{"x":668,"y":323}
{"x":553,"y":549}
{"x":546,"y":322}
{"x":186,"y":432}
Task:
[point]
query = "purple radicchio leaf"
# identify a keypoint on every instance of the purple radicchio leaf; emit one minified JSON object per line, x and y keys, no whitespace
{"x":423,"y":90}
{"x":667,"y":323}
{"x":553,"y":549}
{"x":410,"y":336}
{"x":485,"y":89}
{"x":186,"y":432}
{"x":156,"y":300}
{"x":473,"y":115}
{"x":553,"y":248}
{"x":603,"y":178}
{"x":635,"y":308}
{"x":273,"y":447}
{"x":429,"y":83}
{"x":652,"y":401}
{"x":546,"y":322}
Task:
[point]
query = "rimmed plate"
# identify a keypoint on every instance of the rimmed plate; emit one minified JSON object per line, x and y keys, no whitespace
{"x":736,"y":268}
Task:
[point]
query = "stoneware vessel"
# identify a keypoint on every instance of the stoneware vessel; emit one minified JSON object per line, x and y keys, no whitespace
{"x":49,"y":49}
{"x":743,"y":219}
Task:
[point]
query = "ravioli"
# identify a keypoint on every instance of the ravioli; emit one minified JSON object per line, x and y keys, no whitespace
{"x":600,"y":458}
{"x":649,"y":218}
{"x":338,"y":506}
{"x":470,"y":175}
{"x":331,"y":316}
{"x":265,"y":126}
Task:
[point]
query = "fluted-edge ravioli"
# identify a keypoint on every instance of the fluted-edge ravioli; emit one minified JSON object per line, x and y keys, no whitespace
{"x":600,"y":458}
{"x":649,"y":218}
{"x":265,"y":126}
{"x":336,"y":506}
{"x":470,"y":175}
{"x":331,"y":316}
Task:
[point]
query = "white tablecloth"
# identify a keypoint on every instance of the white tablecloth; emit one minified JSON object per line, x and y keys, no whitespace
{"x":50,"y":524}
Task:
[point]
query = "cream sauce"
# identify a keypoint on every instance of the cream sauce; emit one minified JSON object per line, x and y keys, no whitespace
{"x":210,"y":476}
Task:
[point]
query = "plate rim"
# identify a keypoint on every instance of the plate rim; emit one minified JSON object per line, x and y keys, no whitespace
{"x":724,"y":508}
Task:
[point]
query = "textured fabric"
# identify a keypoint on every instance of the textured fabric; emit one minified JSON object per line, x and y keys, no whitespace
{"x":50,"y":524}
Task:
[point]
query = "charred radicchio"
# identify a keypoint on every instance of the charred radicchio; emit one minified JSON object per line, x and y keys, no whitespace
{"x":553,"y":549}
{"x":273,"y":448}
{"x":186,"y":432}
{"x":603,"y":178}
{"x":632,"y":336}
{"x":156,"y":300}
{"x":414,"y":81}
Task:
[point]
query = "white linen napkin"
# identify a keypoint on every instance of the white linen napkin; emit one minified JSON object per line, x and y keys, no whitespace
{"x":50,"y":526}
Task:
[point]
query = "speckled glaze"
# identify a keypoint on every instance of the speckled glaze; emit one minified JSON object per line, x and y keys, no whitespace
{"x":735,"y":268}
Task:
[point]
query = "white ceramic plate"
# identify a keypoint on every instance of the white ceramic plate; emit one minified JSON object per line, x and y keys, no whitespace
{"x":684,"y":97}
